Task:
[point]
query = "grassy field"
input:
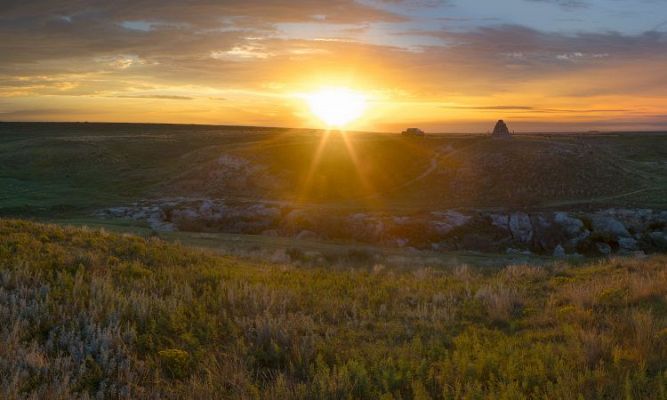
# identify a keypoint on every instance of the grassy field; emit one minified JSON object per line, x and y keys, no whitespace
{"x":68,"y":169}
{"x":96,"y":314}
{"x":306,"y":252}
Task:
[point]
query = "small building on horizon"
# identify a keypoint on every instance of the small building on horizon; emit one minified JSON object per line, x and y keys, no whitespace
{"x":413,"y":132}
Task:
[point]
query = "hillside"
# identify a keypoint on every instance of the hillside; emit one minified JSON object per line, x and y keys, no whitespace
{"x":563,"y":195}
{"x":88,"y":313}
{"x":64,"y":168}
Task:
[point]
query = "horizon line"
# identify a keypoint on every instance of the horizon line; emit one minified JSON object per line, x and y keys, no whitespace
{"x":588,"y":132}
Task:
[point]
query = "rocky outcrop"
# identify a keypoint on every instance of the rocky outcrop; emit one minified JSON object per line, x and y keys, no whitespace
{"x":628,"y":244}
{"x":501,"y":131}
{"x":559,"y":251}
{"x":609,"y":225}
{"x":520,"y":227}
{"x":571,"y":225}
{"x":559,"y":234}
{"x":446,"y":221}
{"x":603,"y":248}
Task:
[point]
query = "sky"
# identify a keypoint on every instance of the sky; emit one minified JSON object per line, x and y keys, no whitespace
{"x":445,"y":66}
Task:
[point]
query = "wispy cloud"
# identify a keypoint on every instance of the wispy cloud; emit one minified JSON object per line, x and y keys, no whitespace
{"x":251,"y":52}
{"x":155,"y":96}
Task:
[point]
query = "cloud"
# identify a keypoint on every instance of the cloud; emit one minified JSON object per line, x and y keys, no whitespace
{"x":200,"y":13}
{"x":566,"y":4}
{"x":155,"y":96}
{"x":241,"y":51}
{"x":530,"y":109}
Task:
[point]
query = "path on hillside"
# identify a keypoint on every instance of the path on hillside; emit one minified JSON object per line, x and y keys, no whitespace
{"x":435,"y":160}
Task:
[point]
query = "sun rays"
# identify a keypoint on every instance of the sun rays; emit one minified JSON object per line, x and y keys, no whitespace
{"x":336,"y":107}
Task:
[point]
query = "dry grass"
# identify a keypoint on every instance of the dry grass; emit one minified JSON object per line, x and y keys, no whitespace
{"x":90,"y":314}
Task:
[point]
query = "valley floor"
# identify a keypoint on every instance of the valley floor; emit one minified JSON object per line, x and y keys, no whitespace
{"x":93,"y":314}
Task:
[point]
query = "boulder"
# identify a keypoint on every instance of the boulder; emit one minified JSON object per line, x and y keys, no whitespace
{"x":500,"y":220}
{"x":559,"y":251}
{"x":603,"y":248}
{"x":628,"y":244}
{"x":521,"y":227}
{"x":546,"y":234}
{"x":636,"y":220}
{"x":449,"y":220}
{"x":611,"y":225}
{"x":658,"y":239}
{"x":571,"y":226}
{"x":365,"y":227}
{"x":583,"y":235}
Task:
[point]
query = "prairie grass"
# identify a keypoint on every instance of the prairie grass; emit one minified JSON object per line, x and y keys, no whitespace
{"x":90,"y":314}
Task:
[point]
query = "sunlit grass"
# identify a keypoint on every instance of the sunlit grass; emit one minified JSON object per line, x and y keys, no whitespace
{"x":88,"y":313}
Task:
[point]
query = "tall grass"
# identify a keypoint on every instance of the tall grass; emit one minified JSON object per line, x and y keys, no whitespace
{"x":88,"y":314}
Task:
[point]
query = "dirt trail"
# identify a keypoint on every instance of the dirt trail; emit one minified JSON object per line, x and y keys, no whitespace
{"x":439,"y":155}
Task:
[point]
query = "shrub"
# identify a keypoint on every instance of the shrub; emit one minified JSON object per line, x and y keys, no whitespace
{"x":175,"y":362}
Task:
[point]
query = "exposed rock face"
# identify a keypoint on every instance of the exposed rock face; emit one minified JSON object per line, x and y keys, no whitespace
{"x":521,"y":227}
{"x":603,"y":248}
{"x":572,"y":226}
{"x":449,"y":220}
{"x":624,"y":231}
{"x":365,"y":226}
{"x":500,"y":220}
{"x":559,"y":251}
{"x":609,"y":225}
{"x":658,"y":239}
{"x":628,"y":244}
{"x":501,"y":130}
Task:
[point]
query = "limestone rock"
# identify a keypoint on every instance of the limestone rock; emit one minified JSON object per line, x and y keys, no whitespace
{"x":521,"y":227}
{"x":610,"y":225}
{"x":628,"y":244}
{"x":603,"y":248}
{"x":500,"y":220}
{"x":659,"y":239}
{"x":571,"y":225}
{"x":449,"y":220}
{"x":559,"y":251}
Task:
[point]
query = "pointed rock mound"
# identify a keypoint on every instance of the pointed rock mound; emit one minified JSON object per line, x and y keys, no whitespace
{"x":501,"y":130}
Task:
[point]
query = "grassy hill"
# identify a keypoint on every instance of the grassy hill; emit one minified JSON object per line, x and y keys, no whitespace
{"x":89,"y":313}
{"x":48,"y":169}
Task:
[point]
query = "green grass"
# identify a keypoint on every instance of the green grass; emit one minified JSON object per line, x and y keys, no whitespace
{"x":90,"y":313}
{"x":71,"y":169}
{"x":307,"y":252}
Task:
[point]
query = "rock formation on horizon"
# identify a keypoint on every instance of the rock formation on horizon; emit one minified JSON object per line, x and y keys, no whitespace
{"x":501,"y":130}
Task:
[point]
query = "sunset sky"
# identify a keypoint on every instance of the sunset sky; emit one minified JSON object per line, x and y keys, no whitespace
{"x":450,"y":66}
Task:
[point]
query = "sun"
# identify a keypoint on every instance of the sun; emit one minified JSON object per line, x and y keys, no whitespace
{"x":336,"y":107}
